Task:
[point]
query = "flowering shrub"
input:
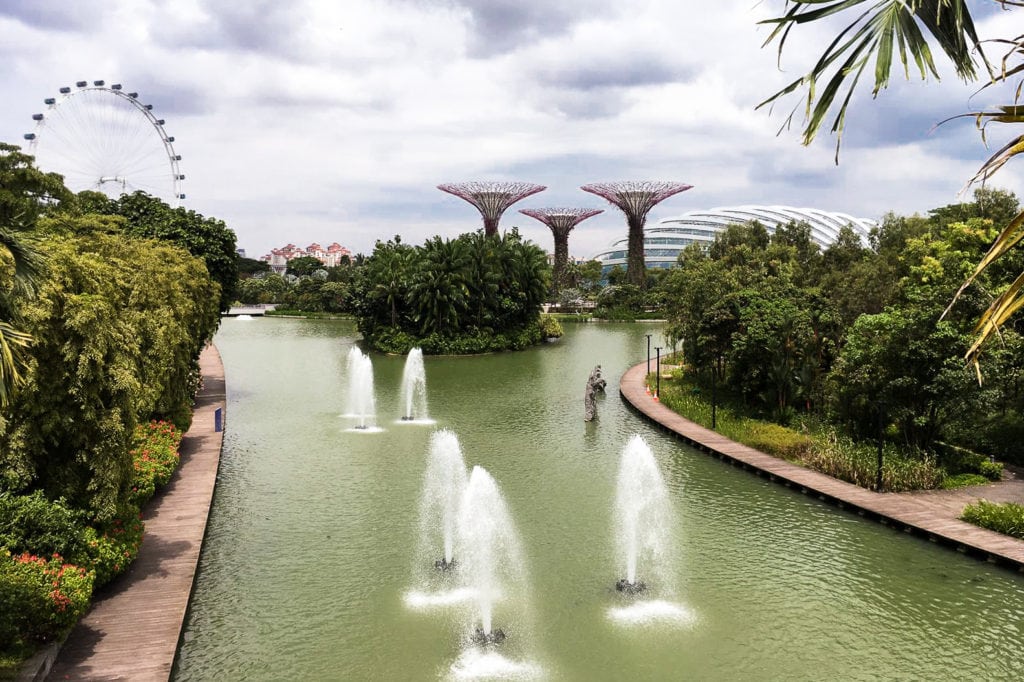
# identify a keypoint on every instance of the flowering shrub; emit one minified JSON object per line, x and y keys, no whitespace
{"x":155,"y":458}
{"x":113,"y":546}
{"x":40,"y":598}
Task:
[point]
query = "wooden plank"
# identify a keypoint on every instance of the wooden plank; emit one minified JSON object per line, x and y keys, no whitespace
{"x":132,"y":630}
{"x":933,"y":513}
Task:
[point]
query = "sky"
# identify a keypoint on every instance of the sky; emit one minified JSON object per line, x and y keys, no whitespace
{"x":321,"y":121}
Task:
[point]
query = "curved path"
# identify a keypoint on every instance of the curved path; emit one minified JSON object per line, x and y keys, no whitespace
{"x":932,"y":514}
{"x":132,"y":630}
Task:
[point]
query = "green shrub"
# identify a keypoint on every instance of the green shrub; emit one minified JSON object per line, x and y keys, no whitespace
{"x":40,"y":598}
{"x":993,"y":471}
{"x":472,"y":341}
{"x":113,"y":546}
{"x":1006,"y":518}
{"x":962,"y":481}
{"x":155,"y":458}
{"x":779,"y":441}
{"x":550,"y":327}
{"x":31,"y":523}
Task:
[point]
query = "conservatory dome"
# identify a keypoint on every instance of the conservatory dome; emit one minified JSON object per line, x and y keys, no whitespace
{"x":663,"y":242}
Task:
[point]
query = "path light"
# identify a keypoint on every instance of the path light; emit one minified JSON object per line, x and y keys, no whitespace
{"x":646,"y":380}
{"x":657,"y":391}
{"x":881,"y":434}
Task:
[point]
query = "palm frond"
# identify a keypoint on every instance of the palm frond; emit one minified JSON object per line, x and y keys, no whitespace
{"x":885,"y":27}
{"x":12,"y":360}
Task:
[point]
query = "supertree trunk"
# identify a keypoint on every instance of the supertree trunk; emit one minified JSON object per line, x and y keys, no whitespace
{"x":636,"y":268}
{"x":635,"y":199}
{"x":561,"y":221}
{"x":561,"y":260}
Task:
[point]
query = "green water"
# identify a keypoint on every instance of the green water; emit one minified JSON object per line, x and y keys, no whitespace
{"x":309,"y":552}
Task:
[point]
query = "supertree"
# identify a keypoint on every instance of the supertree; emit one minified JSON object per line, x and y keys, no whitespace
{"x":491,"y":198}
{"x":561,"y":221}
{"x":635,"y":198}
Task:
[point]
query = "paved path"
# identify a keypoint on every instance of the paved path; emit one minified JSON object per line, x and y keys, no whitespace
{"x":931,"y":513}
{"x":132,"y":630}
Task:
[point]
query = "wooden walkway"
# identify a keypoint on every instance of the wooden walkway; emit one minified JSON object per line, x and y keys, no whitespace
{"x":932,"y":514}
{"x":132,"y":630}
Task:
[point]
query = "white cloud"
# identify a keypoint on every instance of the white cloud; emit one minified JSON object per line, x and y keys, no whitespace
{"x":321,"y":121}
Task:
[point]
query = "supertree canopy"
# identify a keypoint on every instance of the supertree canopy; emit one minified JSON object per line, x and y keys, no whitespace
{"x":636,"y":198}
{"x":491,"y":198}
{"x":561,"y":221}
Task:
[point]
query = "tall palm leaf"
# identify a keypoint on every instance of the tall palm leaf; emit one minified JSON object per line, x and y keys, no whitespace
{"x":889,"y":27}
{"x":27,"y":265}
{"x":881,"y":29}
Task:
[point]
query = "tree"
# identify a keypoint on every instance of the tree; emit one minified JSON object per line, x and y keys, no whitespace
{"x":25,"y":194}
{"x":247,"y":267}
{"x":207,"y":238}
{"x":896,"y":27}
{"x":439,"y":295}
{"x":304,"y":266}
{"x":118,"y":325}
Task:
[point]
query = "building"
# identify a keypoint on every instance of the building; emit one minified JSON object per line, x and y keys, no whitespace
{"x":664,"y":241}
{"x":335,"y":254}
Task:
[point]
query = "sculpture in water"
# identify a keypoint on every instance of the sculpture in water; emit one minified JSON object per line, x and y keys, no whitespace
{"x":594,"y":384}
{"x":643,"y":518}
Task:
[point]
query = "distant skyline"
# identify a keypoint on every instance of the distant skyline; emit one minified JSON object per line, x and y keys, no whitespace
{"x":311,"y":118}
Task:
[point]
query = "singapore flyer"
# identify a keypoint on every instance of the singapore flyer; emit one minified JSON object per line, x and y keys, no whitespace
{"x":103,"y":138}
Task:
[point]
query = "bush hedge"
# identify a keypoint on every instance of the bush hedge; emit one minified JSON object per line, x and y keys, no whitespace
{"x":1006,"y":518}
{"x":40,"y":598}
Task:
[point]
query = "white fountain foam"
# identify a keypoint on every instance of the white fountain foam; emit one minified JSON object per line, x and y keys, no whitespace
{"x":643,"y":518}
{"x":243,"y":318}
{"x":652,"y":612}
{"x":423,"y":601}
{"x":476,"y":663}
{"x":414,"y":390}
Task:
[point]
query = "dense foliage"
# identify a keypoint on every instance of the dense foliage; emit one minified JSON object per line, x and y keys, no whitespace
{"x":147,"y":217}
{"x":466,"y":295}
{"x":104,"y":310}
{"x":852,"y":335}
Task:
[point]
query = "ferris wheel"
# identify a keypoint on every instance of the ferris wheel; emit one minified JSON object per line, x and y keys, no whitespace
{"x":102,"y":138}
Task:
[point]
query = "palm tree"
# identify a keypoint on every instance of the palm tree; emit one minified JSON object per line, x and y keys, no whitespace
{"x":881,"y":30}
{"x":24,"y":193}
{"x":439,"y":293}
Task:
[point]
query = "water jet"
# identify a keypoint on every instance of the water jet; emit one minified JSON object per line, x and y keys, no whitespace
{"x":361,"y":403}
{"x":643,"y":520}
{"x":414,"y":389}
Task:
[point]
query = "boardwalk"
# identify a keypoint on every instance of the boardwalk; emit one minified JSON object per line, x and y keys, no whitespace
{"x":131,"y":632}
{"x":932,"y":514}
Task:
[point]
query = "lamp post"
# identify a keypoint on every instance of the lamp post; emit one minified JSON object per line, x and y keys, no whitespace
{"x":881,"y":430}
{"x":714,"y":396}
{"x":648,"y":354}
{"x":657,"y":390}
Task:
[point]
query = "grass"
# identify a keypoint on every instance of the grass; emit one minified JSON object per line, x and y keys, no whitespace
{"x":1006,"y":518}
{"x":815,"y":446}
{"x":309,"y":315}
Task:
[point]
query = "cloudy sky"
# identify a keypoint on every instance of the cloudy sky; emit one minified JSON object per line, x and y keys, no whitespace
{"x":320,"y":120}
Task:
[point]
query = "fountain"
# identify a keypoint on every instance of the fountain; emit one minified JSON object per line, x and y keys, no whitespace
{"x":643,"y":516}
{"x":360,"y":391}
{"x":443,"y":485}
{"x":414,"y":389}
{"x":492,"y":563}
